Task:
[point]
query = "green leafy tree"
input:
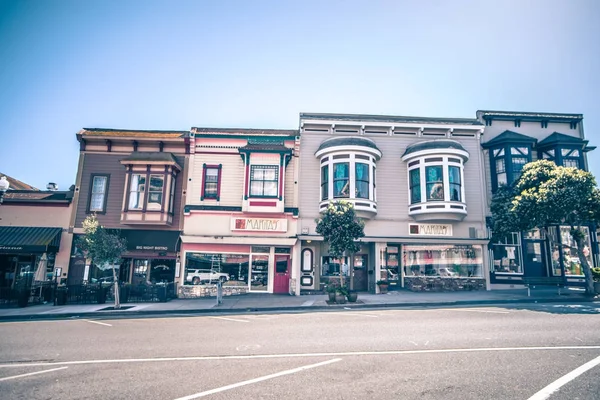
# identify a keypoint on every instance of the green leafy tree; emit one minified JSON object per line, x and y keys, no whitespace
{"x":547,"y":194}
{"x":103,"y":247}
{"x":341,"y":229}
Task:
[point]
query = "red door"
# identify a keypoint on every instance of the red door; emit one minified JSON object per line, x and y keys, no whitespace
{"x":281,"y":281}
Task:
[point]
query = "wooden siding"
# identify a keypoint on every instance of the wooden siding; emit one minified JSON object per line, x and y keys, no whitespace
{"x":232,"y":179}
{"x":392,"y":186}
{"x":110,"y":164}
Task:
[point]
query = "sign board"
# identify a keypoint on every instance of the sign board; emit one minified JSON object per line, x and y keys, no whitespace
{"x":259,"y":224}
{"x":429,"y":230}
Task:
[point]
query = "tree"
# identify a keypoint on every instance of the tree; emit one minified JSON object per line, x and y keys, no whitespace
{"x":550,"y":195}
{"x":103,"y":247}
{"x":340,"y":228}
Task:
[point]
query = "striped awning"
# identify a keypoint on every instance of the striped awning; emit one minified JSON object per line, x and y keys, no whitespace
{"x":29,"y":239}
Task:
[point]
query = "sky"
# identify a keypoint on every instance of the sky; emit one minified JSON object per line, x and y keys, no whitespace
{"x":66,"y":65}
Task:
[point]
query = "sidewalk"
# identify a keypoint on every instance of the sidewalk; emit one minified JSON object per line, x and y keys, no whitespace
{"x":270,"y":302}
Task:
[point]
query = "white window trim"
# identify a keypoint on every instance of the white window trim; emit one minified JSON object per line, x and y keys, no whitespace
{"x":350,"y":158}
{"x":445,"y":163}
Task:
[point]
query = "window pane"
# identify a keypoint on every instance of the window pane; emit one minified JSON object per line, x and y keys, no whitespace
{"x":415,"y":186}
{"x":98,"y":191}
{"x":435,"y":185}
{"x":172,"y":195}
{"x":137,"y":191}
{"x":447,"y":261}
{"x":155,"y":192}
{"x":517,"y":166}
{"x":455,"y":184}
{"x":97,"y":203}
{"x":362,"y":180}
{"x":341,"y":181}
{"x":211,"y":182}
{"x":325,"y":182}
{"x":565,"y":152}
{"x":270,"y":189}
{"x":571,"y":162}
{"x":501,"y":179}
{"x":500,"y":166}
{"x":264,"y":180}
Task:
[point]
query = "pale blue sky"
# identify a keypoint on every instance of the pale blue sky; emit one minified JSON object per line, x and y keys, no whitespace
{"x":147,"y":64}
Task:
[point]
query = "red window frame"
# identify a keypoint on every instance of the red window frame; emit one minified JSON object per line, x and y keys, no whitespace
{"x":205,"y":168}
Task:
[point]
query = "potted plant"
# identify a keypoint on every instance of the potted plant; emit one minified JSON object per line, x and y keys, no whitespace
{"x":383,"y":286}
{"x":340,"y":295}
{"x":352,"y":296}
{"x":596,"y":278}
{"x":331,"y":290}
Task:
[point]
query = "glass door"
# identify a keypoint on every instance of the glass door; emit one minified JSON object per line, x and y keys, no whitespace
{"x":259,"y":273}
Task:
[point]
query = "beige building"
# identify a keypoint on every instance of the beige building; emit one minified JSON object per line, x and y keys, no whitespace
{"x":419,"y":185}
{"x":240,"y":217}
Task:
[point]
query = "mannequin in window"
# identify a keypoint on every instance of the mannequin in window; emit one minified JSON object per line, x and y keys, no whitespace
{"x":437,"y":192}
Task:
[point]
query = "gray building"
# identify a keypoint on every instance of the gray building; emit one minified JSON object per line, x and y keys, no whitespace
{"x":419,"y":185}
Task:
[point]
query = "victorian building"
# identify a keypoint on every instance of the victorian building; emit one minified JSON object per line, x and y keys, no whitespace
{"x":133,"y":181}
{"x":419,"y":185}
{"x":511,"y":140}
{"x":240,"y":215}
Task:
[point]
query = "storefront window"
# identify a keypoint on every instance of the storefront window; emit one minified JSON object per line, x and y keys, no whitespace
{"x":209,"y":268}
{"x":259,"y":278}
{"x":507,"y":255}
{"x":443,"y":260}
{"x":140,"y":272}
{"x":390,"y":267}
{"x":571,"y":261}
{"x":331,"y":266}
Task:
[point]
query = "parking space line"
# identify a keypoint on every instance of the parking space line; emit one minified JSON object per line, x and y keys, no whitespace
{"x":230,"y":319}
{"x":554,"y":386}
{"x":96,"y":322}
{"x":256,"y":380}
{"x":30,"y":374}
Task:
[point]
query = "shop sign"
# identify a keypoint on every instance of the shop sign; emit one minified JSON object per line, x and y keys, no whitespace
{"x":155,"y":248}
{"x":13,"y":248}
{"x":430,"y":229}
{"x":259,"y":224}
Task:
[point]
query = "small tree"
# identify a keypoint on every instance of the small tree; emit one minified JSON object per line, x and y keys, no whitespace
{"x":340,"y":228}
{"x":103,"y":248}
{"x":546,"y":195}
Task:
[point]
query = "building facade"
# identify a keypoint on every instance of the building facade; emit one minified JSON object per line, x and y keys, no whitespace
{"x":511,"y":140}
{"x":133,"y":181}
{"x":34,"y":237}
{"x":240,"y":217}
{"x":418,"y":183}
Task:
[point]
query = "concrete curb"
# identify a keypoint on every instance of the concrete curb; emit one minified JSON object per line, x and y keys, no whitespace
{"x":243,"y":310}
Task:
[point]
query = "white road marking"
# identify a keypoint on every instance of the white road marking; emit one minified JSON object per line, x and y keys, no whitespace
{"x":230,"y":319}
{"x":415,"y":343}
{"x":357,"y":314}
{"x":554,"y":386}
{"x":31,"y":373}
{"x":480,"y":311}
{"x":308,"y":303}
{"x":256,"y":380}
{"x":96,"y":322}
{"x":296,"y":355}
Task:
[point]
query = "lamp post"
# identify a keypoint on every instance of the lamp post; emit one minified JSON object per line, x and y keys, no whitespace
{"x":4,"y":185}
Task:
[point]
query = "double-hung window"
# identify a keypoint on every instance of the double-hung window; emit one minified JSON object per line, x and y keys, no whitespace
{"x":362,"y":180}
{"x":455,"y":183}
{"x":264,"y":180}
{"x":155,"y":192}
{"x":98,"y":192}
{"x":325,"y":182}
{"x":211,"y":183}
{"x":415,"y":186}
{"x":137,"y":191}
{"x":507,"y":163}
{"x":570,"y":158}
{"x":435,"y":183}
{"x":341,"y":180}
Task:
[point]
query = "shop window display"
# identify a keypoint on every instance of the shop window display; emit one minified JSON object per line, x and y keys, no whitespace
{"x":452,"y":261}
{"x":570,"y":257}
{"x":390,"y":266}
{"x":507,"y":255}
{"x":209,"y":268}
{"x":331,"y":266}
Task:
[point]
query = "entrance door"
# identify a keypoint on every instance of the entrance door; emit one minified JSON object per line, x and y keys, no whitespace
{"x":281,"y":282}
{"x":360,"y":281}
{"x":534,"y":258}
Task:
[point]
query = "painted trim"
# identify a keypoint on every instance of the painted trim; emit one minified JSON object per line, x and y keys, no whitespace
{"x":263,"y":204}
{"x":205,"y":167}
{"x":247,"y":137}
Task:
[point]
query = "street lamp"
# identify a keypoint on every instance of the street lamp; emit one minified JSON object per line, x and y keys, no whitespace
{"x":4,"y":185}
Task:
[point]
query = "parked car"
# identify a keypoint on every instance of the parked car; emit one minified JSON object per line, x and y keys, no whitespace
{"x":197,"y":276}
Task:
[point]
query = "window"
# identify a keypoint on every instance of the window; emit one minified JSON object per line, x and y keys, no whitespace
{"x":571,"y":162}
{"x":455,"y":184}
{"x":98,"y":192}
{"x":501,"y":172}
{"x":209,"y":268}
{"x":446,"y":261}
{"x":341,"y":180}
{"x":264,"y":180}
{"x":435,"y":183}
{"x":517,"y":166}
{"x":507,"y":255}
{"x":331,"y":266}
{"x":211,"y":183}
{"x":325,"y":182}
{"x":415,"y":186}
{"x":155,"y":192}
{"x":570,"y":158}
{"x":362,"y":180}
{"x":137,"y":190}
{"x":507,"y":164}
{"x":172,"y":195}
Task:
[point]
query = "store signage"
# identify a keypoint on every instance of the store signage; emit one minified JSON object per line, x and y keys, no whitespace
{"x":429,"y":230}
{"x":155,"y":248}
{"x":259,"y":224}
{"x":15,"y":248}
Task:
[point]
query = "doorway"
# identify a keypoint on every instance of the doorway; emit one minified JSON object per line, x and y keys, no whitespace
{"x":281,"y":281}
{"x":360,"y":280}
{"x":534,"y":257}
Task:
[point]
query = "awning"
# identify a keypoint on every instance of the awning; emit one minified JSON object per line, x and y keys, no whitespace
{"x":29,"y":239}
{"x":151,"y":240}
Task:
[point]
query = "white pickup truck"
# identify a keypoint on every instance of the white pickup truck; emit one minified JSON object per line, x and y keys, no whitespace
{"x":197,"y":276}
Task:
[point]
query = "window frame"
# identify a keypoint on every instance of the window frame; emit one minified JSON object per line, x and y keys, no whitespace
{"x":357,"y":180}
{"x":351,"y":159}
{"x":160,"y":193}
{"x":508,"y":153}
{"x":324,"y":182}
{"x":91,"y":193}
{"x":445,"y":162}
{"x":254,"y":167}
{"x":205,"y":168}
{"x":130,"y":191}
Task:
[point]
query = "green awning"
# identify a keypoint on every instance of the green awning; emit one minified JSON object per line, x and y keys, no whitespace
{"x":29,"y":239}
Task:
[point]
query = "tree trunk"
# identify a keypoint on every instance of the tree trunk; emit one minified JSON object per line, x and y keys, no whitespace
{"x":351,"y":271}
{"x":341,"y":273}
{"x":587,"y":271}
{"x":116,"y":284}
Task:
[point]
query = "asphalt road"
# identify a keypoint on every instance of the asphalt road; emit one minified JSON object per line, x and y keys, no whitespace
{"x":528,"y":352}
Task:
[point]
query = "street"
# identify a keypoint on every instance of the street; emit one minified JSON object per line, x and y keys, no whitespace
{"x":511,"y":352}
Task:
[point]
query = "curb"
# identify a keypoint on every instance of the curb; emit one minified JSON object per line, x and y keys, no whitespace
{"x":242,"y":310}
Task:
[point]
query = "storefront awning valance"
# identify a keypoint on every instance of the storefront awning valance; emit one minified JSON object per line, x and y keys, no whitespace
{"x":150,"y":240}
{"x":29,"y":239}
